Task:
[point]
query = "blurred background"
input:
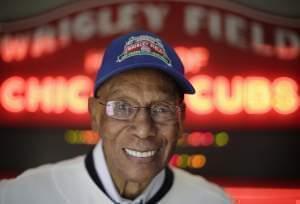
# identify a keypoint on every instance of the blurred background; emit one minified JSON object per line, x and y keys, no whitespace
{"x":242,"y":56}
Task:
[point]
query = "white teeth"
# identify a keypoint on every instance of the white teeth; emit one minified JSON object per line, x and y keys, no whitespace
{"x":140,"y":154}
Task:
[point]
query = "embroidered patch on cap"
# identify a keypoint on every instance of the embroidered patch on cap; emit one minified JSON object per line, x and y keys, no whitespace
{"x":144,"y":45}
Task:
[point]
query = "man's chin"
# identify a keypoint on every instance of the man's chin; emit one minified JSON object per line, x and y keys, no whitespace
{"x":140,"y":176}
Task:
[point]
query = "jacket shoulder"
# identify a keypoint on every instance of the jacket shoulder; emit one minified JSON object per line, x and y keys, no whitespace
{"x":37,"y":185}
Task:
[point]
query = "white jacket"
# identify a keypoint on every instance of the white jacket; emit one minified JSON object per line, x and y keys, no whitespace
{"x":72,"y":182}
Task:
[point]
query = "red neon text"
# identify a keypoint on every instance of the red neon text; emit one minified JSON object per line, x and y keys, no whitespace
{"x":254,"y":95}
{"x":193,"y":58}
{"x":50,"y":94}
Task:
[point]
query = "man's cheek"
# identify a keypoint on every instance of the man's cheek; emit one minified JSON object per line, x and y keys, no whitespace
{"x":111,"y":128}
{"x":170,"y":132}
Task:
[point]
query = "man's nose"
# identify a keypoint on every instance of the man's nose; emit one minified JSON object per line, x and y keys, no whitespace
{"x":143,"y":124}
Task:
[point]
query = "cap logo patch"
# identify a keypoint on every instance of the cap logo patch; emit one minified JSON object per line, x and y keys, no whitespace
{"x":144,"y":45}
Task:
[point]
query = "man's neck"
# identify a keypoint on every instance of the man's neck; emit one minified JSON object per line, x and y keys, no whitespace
{"x":128,"y":189}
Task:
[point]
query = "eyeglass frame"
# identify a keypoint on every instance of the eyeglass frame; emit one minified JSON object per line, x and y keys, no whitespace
{"x":178,"y":108}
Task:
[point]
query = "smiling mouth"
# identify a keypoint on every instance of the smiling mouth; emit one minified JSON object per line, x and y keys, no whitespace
{"x":140,"y":154}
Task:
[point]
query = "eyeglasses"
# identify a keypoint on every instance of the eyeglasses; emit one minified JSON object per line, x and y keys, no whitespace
{"x":160,"y":112}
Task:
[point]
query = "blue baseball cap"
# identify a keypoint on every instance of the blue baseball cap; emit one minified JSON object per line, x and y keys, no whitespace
{"x":142,"y":50}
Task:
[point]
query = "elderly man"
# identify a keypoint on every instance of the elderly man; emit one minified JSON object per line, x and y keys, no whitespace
{"x":138,"y":110}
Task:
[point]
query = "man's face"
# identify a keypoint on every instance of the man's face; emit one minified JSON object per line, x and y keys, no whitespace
{"x":140,"y":135}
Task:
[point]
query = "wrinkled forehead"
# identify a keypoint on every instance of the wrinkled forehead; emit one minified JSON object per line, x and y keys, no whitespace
{"x":140,"y":80}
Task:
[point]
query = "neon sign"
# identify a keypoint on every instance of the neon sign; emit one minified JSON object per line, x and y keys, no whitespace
{"x":254,"y":95}
{"x":49,"y":95}
{"x":244,"y":67}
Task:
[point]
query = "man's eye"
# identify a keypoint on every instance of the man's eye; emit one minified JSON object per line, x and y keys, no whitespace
{"x":122,"y":106}
{"x":161,"y":109}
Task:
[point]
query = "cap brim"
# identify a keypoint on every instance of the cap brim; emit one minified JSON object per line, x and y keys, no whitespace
{"x":185,"y":86}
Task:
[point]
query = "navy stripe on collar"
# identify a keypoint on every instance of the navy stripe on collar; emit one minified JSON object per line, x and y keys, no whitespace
{"x":164,"y":189}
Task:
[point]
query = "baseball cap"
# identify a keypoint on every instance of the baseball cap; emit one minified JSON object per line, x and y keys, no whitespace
{"x":141,"y":49}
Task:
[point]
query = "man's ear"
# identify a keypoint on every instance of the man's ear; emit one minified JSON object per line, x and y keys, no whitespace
{"x":93,"y":114}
